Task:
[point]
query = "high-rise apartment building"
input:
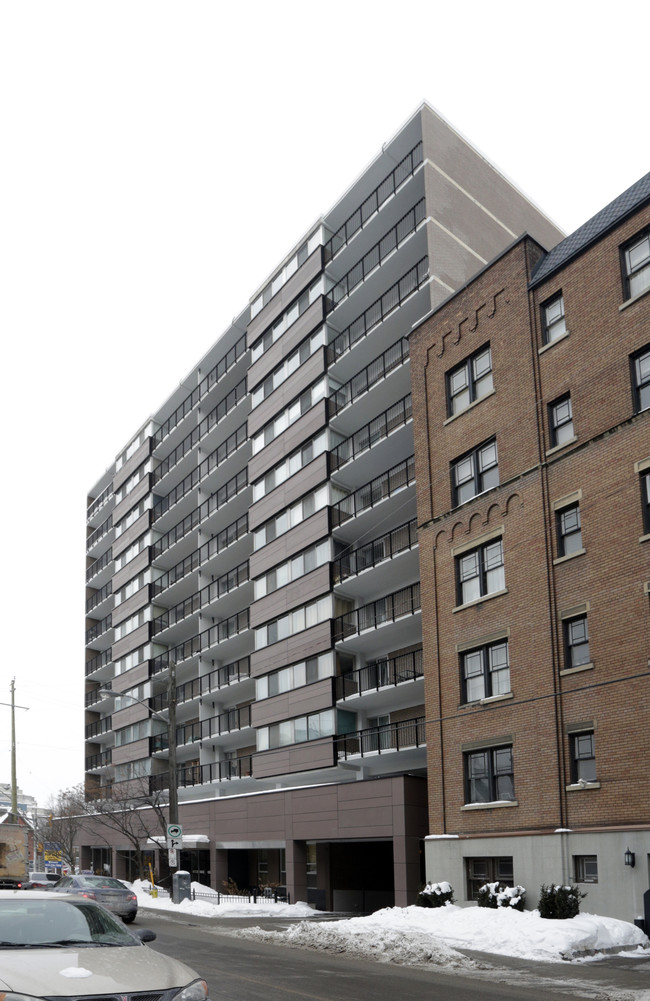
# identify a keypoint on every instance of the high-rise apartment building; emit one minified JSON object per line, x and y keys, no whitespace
{"x":531,"y":400}
{"x":258,"y":538}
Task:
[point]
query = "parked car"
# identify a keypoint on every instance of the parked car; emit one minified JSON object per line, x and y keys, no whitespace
{"x":110,"y":892}
{"x":41,"y":880}
{"x":71,"y":947}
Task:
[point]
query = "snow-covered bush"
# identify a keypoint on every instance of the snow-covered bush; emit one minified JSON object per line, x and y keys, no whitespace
{"x":499,"y":895}
{"x":559,"y":901}
{"x":435,"y":895}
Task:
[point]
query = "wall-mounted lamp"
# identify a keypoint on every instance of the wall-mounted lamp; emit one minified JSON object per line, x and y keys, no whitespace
{"x":629,"y":858}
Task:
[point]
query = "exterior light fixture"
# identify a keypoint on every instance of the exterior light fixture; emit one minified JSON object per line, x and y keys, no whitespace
{"x":629,"y":858}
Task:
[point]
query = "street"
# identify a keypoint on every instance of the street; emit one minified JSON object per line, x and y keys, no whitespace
{"x":239,"y":969}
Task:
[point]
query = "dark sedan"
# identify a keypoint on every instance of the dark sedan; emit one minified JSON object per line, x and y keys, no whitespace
{"x":108,"y":891}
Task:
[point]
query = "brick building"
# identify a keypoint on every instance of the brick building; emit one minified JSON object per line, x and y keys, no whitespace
{"x":531,"y":402}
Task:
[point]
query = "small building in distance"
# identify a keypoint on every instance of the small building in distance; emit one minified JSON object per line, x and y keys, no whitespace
{"x":531,"y":404}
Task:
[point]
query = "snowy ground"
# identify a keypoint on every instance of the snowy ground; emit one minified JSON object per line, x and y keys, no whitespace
{"x":419,"y":935}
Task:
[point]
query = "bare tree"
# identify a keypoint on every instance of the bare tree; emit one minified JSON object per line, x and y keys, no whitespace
{"x":67,"y":812}
{"x":136,"y":814}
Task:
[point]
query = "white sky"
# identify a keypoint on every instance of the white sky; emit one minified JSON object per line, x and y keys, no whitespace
{"x":159,"y":158}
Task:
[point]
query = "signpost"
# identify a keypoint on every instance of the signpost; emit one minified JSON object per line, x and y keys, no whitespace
{"x":174,"y":843}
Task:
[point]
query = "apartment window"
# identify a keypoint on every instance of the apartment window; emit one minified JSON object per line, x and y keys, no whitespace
{"x":292,"y":464}
{"x":469,"y":381}
{"x":489,"y":776}
{"x":294,"y":568}
{"x":296,"y":731}
{"x":290,"y":414}
{"x":636,"y":265}
{"x":561,"y":420}
{"x":290,"y":517}
{"x":485,"y":672}
{"x":576,"y":637}
{"x":585,"y":868}
{"x":569,"y":534}
{"x":282,"y":372}
{"x":480,"y":871}
{"x":641,"y":379}
{"x":480,"y":572}
{"x":475,"y":472}
{"x":553,"y":321}
{"x":306,"y":672}
{"x":294,"y":622}
{"x":583,"y":757}
{"x":645,"y":499}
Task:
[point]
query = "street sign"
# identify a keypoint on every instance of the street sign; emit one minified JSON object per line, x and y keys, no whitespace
{"x":172,"y":858}
{"x":174,"y":837}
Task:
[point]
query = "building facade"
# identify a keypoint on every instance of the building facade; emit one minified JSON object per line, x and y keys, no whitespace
{"x":258,"y":538}
{"x":531,"y":401}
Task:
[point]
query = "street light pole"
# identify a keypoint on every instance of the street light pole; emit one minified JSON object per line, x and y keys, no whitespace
{"x":171,"y":739}
{"x":14,"y":784}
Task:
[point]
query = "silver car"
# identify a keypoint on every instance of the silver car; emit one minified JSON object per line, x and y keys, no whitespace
{"x":71,"y":947}
{"x":110,"y":892}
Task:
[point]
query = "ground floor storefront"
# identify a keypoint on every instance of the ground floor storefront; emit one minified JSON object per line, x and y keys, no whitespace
{"x":354,"y":847}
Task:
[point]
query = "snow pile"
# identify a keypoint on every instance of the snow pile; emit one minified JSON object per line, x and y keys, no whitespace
{"x":222,"y":905}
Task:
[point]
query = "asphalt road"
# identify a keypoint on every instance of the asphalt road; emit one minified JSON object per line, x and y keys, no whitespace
{"x":239,"y":969}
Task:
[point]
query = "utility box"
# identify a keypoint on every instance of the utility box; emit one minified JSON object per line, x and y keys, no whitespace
{"x":181,"y":886}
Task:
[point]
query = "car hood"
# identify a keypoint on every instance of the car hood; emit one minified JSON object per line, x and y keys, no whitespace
{"x":94,"y":970}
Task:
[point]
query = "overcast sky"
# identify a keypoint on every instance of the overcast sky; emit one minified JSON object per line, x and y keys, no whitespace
{"x":158,"y":159}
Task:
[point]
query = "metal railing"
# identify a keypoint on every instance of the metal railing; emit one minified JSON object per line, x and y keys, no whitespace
{"x":393,"y":606}
{"x":99,"y":727}
{"x":99,"y":596}
{"x":387,"y":738}
{"x":99,"y":760}
{"x":211,"y":379}
{"x":217,"y":771}
{"x":99,"y":661}
{"x":99,"y":628}
{"x":99,"y":564}
{"x":381,"y":308}
{"x":374,"y":492}
{"x":214,"y":502}
{"x":99,"y":532}
{"x":373,"y":203}
{"x":215,"y":589}
{"x":392,"y":358}
{"x":226,"y":537}
{"x":227,"y":674}
{"x":99,"y":502}
{"x":389,"y":242}
{"x":210,"y":463}
{"x":217,"y":414}
{"x":217,"y":633}
{"x":398,"y":540}
{"x":376,"y":430}
{"x":384,"y":673}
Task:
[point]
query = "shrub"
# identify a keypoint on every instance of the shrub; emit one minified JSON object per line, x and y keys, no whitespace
{"x":499,"y":895}
{"x":559,"y":901}
{"x":435,"y":895}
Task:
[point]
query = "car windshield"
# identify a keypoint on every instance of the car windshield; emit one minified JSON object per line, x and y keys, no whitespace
{"x":99,"y":882}
{"x":60,"y":921}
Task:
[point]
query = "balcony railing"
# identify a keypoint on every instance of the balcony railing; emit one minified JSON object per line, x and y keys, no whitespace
{"x":383,"y":673}
{"x":92,"y":698}
{"x":194,"y":775}
{"x":393,"y":606}
{"x":226,"y":537}
{"x":99,"y":502}
{"x":96,"y":599}
{"x":99,"y":532}
{"x":99,"y":661}
{"x":217,"y":414}
{"x":233,"y":719}
{"x":215,"y":589}
{"x":374,"y":492}
{"x":99,"y":564}
{"x":210,"y":463}
{"x":393,"y":358}
{"x":101,"y":726}
{"x":217,"y":633}
{"x":99,"y":628}
{"x":227,"y":674}
{"x":372,"y":433}
{"x":399,"y":540}
{"x":214,"y":502}
{"x":99,"y":760}
{"x":211,"y":379}
{"x":385,"y":739}
{"x":360,"y":217}
{"x":396,"y":296}
{"x":389,"y":242}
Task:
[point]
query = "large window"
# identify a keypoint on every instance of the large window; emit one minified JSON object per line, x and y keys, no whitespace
{"x":291,"y":516}
{"x":475,"y":472}
{"x":635,"y":259}
{"x":480,"y":871}
{"x":560,"y":418}
{"x":583,"y":757}
{"x":576,"y":639}
{"x":569,"y":532}
{"x":292,"y":464}
{"x":480,"y":572}
{"x":296,"y":731}
{"x":287,"y":367}
{"x":469,"y":381}
{"x":489,"y":776}
{"x":290,"y":414}
{"x":553,"y":321}
{"x":284,"y":321}
{"x":294,"y":622}
{"x":292,"y":569}
{"x":640,"y":363}
{"x":485,"y":671}
{"x":305,"y":672}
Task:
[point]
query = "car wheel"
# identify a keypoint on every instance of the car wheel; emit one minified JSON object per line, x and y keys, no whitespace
{"x":128,"y":918}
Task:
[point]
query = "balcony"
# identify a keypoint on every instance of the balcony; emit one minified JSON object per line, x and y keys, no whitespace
{"x":217,"y":544}
{"x":99,"y":727}
{"x":387,"y":672}
{"x":217,"y":771}
{"x":211,"y":592}
{"x":211,"y":379}
{"x":99,"y":760}
{"x":373,"y":203}
{"x":97,"y":504}
{"x":375,"y":492}
{"x":99,"y":533}
{"x":96,"y":599}
{"x":97,"y":662}
{"x":386,"y":547}
{"x":227,"y":722}
{"x":99,"y":628}
{"x":378,"y":613}
{"x":386,"y":739}
{"x":368,"y":377}
{"x":193,"y":647}
{"x":375,"y":257}
{"x":370,"y":434}
{"x":222,"y":677}
{"x":99,"y":565}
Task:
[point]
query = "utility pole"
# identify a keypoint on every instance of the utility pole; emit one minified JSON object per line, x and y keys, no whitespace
{"x":171,"y":740}
{"x":14,"y":786}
